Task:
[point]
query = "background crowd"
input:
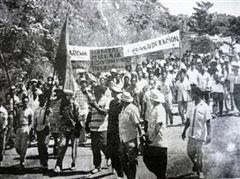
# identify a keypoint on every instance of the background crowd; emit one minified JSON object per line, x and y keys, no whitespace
{"x":103,"y":104}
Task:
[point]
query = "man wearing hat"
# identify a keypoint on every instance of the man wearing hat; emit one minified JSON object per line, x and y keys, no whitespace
{"x":198,"y":119}
{"x":82,"y":100}
{"x":129,"y":127}
{"x":157,"y":163}
{"x":70,"y":118}
{"x":113,"y":140}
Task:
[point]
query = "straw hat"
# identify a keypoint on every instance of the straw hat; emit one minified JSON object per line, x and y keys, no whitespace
{"x":68,"y":91}
{"x":116,"y":88}
{"x":156,"y":95}
{"x":126,"y":97}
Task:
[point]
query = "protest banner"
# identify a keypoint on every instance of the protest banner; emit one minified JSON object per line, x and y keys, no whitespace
{"x":168,"y":41}
{"x":106,"y":58}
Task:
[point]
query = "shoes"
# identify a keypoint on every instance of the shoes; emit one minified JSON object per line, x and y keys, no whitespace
{"x":73,"y":167}
{"x":95,"y":170}
{"x":201,"y":175}
{"x":57,"y":169}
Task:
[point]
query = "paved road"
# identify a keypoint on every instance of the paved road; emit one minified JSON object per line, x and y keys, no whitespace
{"x":221,"y":157}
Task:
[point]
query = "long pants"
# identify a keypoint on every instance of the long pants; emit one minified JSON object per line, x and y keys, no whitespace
{"x":9,"y":139}
{"x":128,"y":158}
{"x":182,"y":108}
{"x":194,"y":150}
{"x":218,"y":102}
{"x":64,"y":141}
{"x":169,"y":114}
{"x":236,"y":95}
{"x":56,"y":143}
{"x":155,"y":158}
{"x":2,"y":144}
{"x":83,"y":138}
{"x":113,"y":143}
{"x":42,"y":144}
{"x":99,"y":143}
{"x":22,"y":139}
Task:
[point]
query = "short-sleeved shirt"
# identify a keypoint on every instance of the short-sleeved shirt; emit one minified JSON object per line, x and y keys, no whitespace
{"x":157,"y":115}
{"x":146,"y":99}
{"x":82,"y":101}
{"x":192,"y":76}
{"x":183,"y":88}
{"x":99,"y":121}
{"x":128,"y":120}
{"x":199,"y":115}
{"x":24,"y":116}
{"x":3,"y":117}
{"x":39,"y":122}
{"x":204,"y":81}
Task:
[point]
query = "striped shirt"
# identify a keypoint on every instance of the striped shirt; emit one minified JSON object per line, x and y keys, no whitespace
{"x":99,"y":121}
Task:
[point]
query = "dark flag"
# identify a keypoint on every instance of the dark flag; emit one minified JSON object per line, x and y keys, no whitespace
{"x":63,"y":64}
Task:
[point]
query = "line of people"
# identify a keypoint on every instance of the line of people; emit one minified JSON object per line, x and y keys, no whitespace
{"x":118,"y":108}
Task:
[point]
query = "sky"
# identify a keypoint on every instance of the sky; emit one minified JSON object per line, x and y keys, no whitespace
{"x":176,"y":7}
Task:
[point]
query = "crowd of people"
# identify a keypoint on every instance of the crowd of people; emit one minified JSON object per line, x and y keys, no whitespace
{"x":119,"y":109}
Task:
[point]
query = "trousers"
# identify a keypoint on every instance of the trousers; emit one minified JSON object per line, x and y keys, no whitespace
{"x":22,"y":139}
{"x":99,"y":143}
{"x":128,"y":158}
{"x":42,"y":144}
{"x":65,"y":138}
{"x":194,"y":151}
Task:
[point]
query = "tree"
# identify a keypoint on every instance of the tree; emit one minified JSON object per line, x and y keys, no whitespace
{"x":201,"y":19}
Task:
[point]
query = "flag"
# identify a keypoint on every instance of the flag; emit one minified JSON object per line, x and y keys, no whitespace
{"x":63,"y":64}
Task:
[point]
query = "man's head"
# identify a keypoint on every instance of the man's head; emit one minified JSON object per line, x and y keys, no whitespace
{"x":68,"y":94}
{"x":134,"y":81}
{"x":196,"y":94}
{"x":25,"y":101}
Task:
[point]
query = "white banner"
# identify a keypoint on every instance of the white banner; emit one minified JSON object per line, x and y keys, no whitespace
{"x":164,"y":42}
{"x":172,"y":40}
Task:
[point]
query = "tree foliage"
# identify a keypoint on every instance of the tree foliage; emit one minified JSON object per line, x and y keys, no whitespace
{"x":201,"y":19}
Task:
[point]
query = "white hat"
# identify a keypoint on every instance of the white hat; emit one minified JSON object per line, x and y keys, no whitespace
{"x":116,"y":88}
{"x":83,"y":79}
{"x":68,"y":91}
{"x":34,"y":80}
{"x":114,"y":70}
{"x":199,"y":60}
{"x":170,"y":68}
{"x":157,"y":96}
{"x":126,"y":97}
{"x":149,"y":66}
{"x":81,"y":70}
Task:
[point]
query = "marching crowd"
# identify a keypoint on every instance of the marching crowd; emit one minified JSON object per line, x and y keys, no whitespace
{"x":121,"y":108}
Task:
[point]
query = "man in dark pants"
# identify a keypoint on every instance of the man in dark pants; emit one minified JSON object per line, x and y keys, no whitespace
{"x":41,"y":126}
{"x":70,"y":117}
{"x":113,"y":140}
{"x":198,"y":119}
{"x":129,"y":126}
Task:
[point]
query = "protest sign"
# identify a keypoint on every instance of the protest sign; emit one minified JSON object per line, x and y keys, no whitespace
{"x":168,"y":41}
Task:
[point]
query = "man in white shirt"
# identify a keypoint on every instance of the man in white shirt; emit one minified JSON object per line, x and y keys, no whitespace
{"x":24,"y":121}
{"x":192,"y":74}
{"x":198,"y":119}
{"x":41,"y":125}
{"x":3,"y":127}
{"x":204,"y":82}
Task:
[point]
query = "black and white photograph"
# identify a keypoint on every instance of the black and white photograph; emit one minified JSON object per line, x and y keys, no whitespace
{"x":119,"y":89}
